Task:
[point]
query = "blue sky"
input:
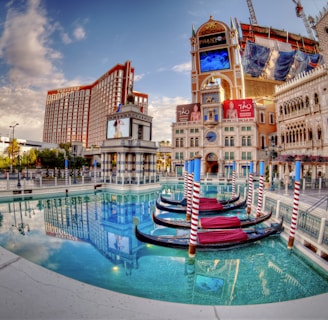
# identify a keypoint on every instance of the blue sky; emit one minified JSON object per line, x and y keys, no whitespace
{"x":47,"y":44}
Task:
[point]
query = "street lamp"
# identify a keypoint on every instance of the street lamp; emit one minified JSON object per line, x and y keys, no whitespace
{"x":272,"y":151}
{"x":12,"y":145}
{"x":18,"y":173}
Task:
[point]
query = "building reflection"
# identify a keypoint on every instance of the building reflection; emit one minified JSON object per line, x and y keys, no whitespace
{"x":104,"y":219}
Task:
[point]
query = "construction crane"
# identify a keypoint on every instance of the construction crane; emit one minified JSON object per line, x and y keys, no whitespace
{"x":251,"y":12}
{"x":300,"y":14}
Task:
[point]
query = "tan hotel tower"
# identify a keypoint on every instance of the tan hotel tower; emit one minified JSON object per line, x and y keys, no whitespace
{"x":79,"y":113}
{"x":221,"y":122}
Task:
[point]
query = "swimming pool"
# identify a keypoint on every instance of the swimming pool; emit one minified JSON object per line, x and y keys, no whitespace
{"x":90,"y":237}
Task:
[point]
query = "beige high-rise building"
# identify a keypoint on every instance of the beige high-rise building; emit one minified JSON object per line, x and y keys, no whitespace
{"x":79,"y":114}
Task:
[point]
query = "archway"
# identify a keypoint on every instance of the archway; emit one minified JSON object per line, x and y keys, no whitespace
{"x":211,"y":163}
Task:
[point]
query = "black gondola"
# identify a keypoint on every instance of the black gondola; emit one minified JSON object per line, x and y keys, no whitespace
{"x":213,"y":222}
{"x":213,"y":240}
{"x":204,"y":208}
{"x":183,"y":202}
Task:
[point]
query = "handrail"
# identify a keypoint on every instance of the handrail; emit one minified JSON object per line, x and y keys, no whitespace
{"x":317,"y":204}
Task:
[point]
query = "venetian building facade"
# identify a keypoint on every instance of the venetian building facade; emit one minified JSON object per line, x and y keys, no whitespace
{"x":207,"y":126}
{"x":302,"y":115}
{"x":302,"y":122}
{"x":321,"y":28}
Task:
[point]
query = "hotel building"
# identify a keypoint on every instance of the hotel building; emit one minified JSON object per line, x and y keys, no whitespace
{"x":233,"y":81}
{"x":79,"y":113}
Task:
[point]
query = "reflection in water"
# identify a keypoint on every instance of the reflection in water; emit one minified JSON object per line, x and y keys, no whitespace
{"x":91,"y":237}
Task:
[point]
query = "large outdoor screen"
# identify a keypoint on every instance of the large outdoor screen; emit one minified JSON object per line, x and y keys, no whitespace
{"x":214,"y":60}
{"x":119,"y":128}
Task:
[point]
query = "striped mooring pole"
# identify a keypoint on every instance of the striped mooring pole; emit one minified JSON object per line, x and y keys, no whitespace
{"x":250,"y":188}
{"x":297,"y":187}
{"x":95,"y":171}
{"x":260,"y":197}
{"x":195,"y":208}
{"x":233,"y":192}
{"x":185,"y":179}
{"x":189,"y":189}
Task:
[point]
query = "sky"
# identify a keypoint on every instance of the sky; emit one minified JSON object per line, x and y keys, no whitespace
{"x":47,"y":44}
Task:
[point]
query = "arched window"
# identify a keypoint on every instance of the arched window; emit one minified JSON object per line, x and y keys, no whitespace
{"x":232,"y":141}
{"x":319,"y":133}
{"x":316,"y":98}
{"x":243,"y":141}
{"x":307,"y":102}
{"x":226,"y":141}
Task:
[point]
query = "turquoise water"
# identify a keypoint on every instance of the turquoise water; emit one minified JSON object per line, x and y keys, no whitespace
{"x":90,"y":237}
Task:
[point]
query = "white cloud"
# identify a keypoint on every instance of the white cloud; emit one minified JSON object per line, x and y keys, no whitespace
{"x":79,"y":33}
{"x":162,"y":109}
{"x":183,"y":67}
{"x":31,"y":71}
{"x":138,"y":77}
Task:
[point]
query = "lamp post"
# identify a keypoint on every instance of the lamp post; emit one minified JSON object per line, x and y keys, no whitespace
{"x":12,"y":146}
{"x":272,"y":152}
{"x":18,"y":173}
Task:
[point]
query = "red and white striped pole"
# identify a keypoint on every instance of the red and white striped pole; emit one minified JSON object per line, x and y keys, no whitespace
{"x":195,"y":208}
{"x":233,"y":192}
{"x":185,"y":179}
{"x":260,"y":197}
{"x":297,"y":187}
{"x":189,"y":189}
{"x":250,"y":188}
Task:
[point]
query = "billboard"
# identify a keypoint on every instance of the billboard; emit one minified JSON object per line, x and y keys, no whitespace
{"x":213,"y":60}
{"x":188,"y":112}
{"x":238,"y":109}
{"x":212,"y":40}
{"x":118,"y":128}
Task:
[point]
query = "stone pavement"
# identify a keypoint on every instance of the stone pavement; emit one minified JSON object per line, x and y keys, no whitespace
{"x":28,"y":291}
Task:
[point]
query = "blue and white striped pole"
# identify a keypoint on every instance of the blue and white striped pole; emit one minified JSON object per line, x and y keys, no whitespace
{"x":95,"y":171}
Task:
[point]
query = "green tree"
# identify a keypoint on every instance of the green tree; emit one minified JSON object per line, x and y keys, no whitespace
{"x":13,"y":150}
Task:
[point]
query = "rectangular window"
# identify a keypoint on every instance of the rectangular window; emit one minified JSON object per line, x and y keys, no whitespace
{"x":262,"y":117}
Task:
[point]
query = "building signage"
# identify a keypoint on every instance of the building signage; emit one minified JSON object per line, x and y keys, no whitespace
{"x":238,"y":109}
{"x":212,"y":40}
{"x":188,"y":112}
